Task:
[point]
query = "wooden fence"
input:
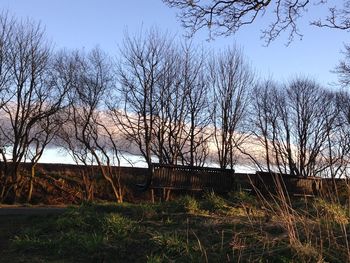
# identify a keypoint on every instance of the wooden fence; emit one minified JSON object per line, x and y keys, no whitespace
{"x":64,"y":183}
{"x":178,"y":177}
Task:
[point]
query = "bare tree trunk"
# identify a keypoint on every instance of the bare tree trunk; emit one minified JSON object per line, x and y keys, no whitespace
{"x":14,"y":194}
{"x":31,"y":182}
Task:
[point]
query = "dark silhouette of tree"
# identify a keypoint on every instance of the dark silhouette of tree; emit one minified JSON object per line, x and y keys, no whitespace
{"x":294,"y":126}
{"x":29,"y":97}
{"x":338,"y":16}
{"x":6,"y":24}
{"x":231,"y":79}
{"x":44,"y":133}
{"x":164,"y":109}
{"x":87,"y":134}
{"x":168,"y":137}
{"x":143,"y":64}
{"x":226,"y":17}
{"x":196,"y":89}
{"x":343,"y":68}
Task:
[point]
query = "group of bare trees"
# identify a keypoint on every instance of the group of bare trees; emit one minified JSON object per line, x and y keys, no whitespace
{"x":50,"y":98}
{"x":297,"y":126}
{"x":175,"y":103}
{"x":164,"y":99}
{"x":157,"y":96}
{"x":29,"y":100}
{"x":184,"y":106}
{"x":179,"y":104}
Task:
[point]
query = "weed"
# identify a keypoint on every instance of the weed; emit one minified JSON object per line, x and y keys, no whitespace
{"x":241,"y":197}
{"x":154,"y":259}
{"x":32,"y":243}
{"x":71,"y":243}
{"x":172,"y":245}
{"x":190,"y":205}
{"x":214,"y":203}
{"x":116,"y":226}
{"x":332,"y":212}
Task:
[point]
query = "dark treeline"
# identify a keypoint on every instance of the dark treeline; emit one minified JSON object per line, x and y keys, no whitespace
{"x":167,"y":100}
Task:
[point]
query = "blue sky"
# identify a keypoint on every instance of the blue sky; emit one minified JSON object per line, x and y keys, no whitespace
{"x":87,"y":23}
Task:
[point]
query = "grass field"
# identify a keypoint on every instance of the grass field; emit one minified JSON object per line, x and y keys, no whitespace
{"x":239,"y":228}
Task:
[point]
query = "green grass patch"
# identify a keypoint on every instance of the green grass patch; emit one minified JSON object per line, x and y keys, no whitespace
{"x":208,"y":229}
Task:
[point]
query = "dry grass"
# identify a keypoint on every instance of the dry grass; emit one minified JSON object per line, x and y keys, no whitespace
{"x":238,"y":228}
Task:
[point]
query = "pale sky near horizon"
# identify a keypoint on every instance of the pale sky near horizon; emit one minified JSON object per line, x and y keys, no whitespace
{"x":86,"y":23}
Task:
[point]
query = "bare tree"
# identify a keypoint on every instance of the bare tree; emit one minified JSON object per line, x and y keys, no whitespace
{"x":81,"y":155}
{"x":343,"y":68}
{"x":87,"y":135}
{"x":42,"y":135}
{"x":7,"y":24}
{"x":195,"y":85}
{"x":231,"y":79}
{"x":164,"y":110}
{"x":294,"y":126}
{"x":311,"y":123}
{"x":182,"y":109}
{"x":141,"y":69}
{"x":168,"y":137}
{"x":226,"y":17}
{"x":262,"y":112}
{"x":338,"y":151}
{"x":338,"y":17}
{"x":30,"y":97}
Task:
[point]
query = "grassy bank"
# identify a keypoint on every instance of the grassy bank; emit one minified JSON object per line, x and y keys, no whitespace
{"x":239,"y":228}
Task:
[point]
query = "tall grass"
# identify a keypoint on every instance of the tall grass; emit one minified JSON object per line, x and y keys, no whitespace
{"x":317,"y":229}
{"x":273,"y":227}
